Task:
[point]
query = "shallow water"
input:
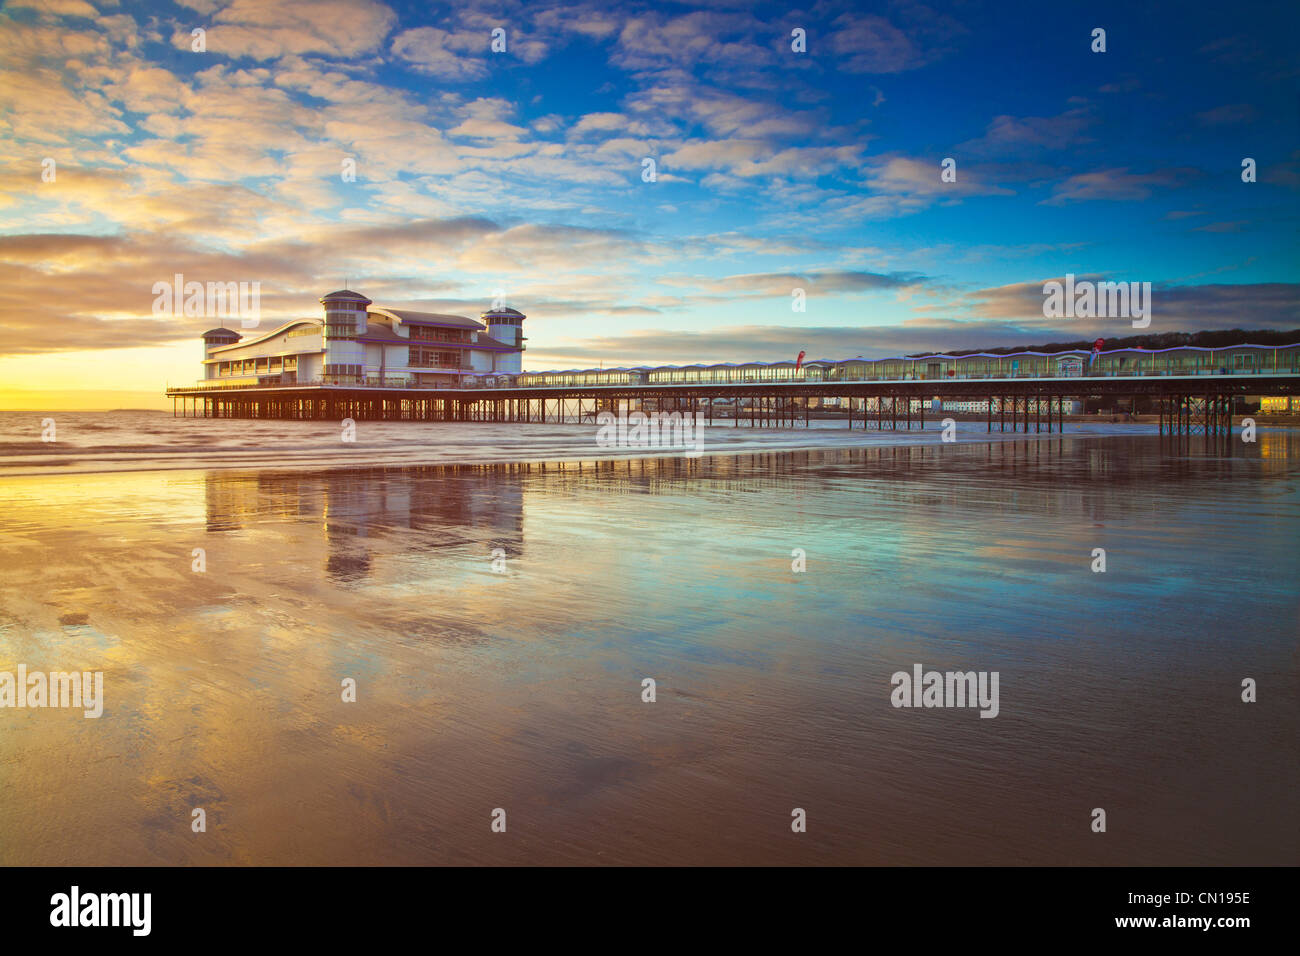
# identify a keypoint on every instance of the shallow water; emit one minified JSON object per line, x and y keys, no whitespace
{"x":522,"y":690}
{"x":94,"y":442}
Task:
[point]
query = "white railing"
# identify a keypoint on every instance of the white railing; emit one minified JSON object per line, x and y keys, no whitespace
{"x":506,"y":381}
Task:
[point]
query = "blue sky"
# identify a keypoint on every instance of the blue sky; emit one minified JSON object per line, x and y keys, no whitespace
{"x":522,"y":171}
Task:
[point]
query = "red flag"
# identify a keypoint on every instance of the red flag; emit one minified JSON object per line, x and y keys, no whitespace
{"x":798,"y":363}
{"x":1096,"y":348}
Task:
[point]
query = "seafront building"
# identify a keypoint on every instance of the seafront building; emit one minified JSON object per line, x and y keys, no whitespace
{"x":357,"y":343}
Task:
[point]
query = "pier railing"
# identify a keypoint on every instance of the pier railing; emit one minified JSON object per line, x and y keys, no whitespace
{"x":538,"y":380}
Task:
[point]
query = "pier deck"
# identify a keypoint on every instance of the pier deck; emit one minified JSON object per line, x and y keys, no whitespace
{"x":1186,"y":403}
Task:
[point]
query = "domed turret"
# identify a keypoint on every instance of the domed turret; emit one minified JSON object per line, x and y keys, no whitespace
{"x":345,"y":314}
{"x":344,"y":362}
{"x":506,"y":325}
{"x":345,"y":295}
{"x":215,"y":338}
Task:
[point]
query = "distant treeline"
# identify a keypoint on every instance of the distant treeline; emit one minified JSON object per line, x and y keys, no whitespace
{"x":1160,"y":340}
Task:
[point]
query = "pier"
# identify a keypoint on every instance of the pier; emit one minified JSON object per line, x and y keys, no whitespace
{"x":1186,"y":404}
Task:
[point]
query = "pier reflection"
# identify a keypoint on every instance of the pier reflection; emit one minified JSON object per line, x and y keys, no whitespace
{"x":452,"y":505}
{"x":439,"y":508}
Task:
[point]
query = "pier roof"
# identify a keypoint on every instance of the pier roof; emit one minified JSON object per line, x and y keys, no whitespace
{"x":267,"y":335}
{"x":345,"y":294}
{"x":382,"y":333}
{"x":432,"y":318}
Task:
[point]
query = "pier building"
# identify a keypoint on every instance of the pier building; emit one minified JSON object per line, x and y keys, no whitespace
{"x":358,"y":343}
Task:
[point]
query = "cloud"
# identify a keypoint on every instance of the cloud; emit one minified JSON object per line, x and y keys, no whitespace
{"x":456,"y":57}
{"x":1229,"y":115}
{"x":905,"y":176}
{"x":900,"y":186}
{"x":61,"y":8}
{"x":1237,"y":50}
{"x":1012,"y":134}
{"x":919,"y":35}
{"x":1127,"y":83}
{"x":1285,"y":174}
{"x":1235,"y":226}
{"x":780,"y":284}
{"x":719,"y":40}
{"x":1116,"y":185}
{"x":268,"y":29}
{"x":606,"y":124}
{"x":147,"y":89}
{"x":1187,"y":308}
{"x":869,"y":44}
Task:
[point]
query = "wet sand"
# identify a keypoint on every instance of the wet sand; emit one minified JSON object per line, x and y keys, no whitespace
{"x":522,"y":690}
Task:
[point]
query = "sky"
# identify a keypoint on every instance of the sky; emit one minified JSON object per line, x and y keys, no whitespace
{"x":390,"y":148}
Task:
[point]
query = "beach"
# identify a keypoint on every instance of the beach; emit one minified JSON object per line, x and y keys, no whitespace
{"x":499,"y":595}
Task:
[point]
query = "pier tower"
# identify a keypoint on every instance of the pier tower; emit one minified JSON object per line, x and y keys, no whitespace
{"x":507,"y":326}
{"x":345,"y":320}
{"x":215,"y":338}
